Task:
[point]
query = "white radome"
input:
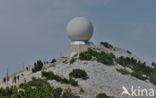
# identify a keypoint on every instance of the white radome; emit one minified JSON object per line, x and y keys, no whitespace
{"x":80,"y":29}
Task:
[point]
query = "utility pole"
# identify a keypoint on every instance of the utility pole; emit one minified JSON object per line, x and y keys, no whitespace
{"x":7,"y":77}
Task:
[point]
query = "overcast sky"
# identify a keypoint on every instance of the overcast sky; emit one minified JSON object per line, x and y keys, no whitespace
{"x":35,"y":29}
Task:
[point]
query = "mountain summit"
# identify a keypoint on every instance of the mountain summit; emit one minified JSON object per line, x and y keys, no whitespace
{"x":100,"y":71}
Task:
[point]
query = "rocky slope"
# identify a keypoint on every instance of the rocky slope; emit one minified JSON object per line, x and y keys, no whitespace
{"x":102,"y":78}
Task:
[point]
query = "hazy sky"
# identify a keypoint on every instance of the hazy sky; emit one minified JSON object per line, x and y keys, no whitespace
{"x":35,"y":29}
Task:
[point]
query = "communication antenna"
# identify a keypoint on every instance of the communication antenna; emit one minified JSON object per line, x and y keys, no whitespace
{"x":60,"y":53}
{"x":23,"y":66}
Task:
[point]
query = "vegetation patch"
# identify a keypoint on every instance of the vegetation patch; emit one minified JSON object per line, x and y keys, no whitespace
{"x":154,"y":64}
{"x":53,"y":60}
{"x":126,"y":61}
{"x":123,"y":71}
{"x":140,"y":70}
{"x":134,"y":74}
{"x":72,"y":60}
{"x":87,"y":55}
{"x":37,"y":88}
{"x":79,"y":73}
{"x":138,"y":75}
{"x":106,"y":44}
{"x":73,"y":82}
{"x":103,"y":95}
{"x":37,"y":66}
{"x":105,"y":58}
{"x":129,"y":52}
{"x":153,"y":78}
{"x":51,"y":76}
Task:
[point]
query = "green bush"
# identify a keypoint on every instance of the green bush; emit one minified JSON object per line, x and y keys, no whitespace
{"x":152,"y":76}
{"x":123,"y":71}
{"x":68,"y":94}
{"x":154,"y":64}
{"x":106,"y":44}
{"x":102,"y":95}
{"x":73,"y":82}
{"x":105,"y":58}
{"x":72,"y":60}
{"x":35,"y":83}
{"x":53,"y":60}
{"x":51,"y":76}
{"x":134,"y":74}
{"x":129,"y":52}
{"x":126,"y":61}
{"x":85,"y":56}
{"x":141,"y":68}
{"x":37,"y":66}
{"x":138,"y":75}
{"x":78,"y":73}
{"x":138,"y":68}
{"x":42,"y":89}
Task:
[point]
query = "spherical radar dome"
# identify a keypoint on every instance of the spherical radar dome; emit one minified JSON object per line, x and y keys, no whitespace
{"x":80,"y":29}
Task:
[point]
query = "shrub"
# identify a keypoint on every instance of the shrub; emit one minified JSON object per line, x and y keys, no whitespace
{"x":138,"y":68}
{"x":73,"y":82}
{"x":81,"y":90}
{"x":37,"y":66}
{"x":134,"y":74}
{"x":72,"y":60}
{"x":123,"y":71}
{"x":68,"y":94}
{"x":43,"y":90}
{"x":129,"y":52}
{"x":85,"y":56}
{"x":141,"y":68}
{"x":51,"y":76}
{"x":102,"y":95}
{"x":105,"y":58}
{"x":53,"y":60}
{"x":38,"y":83}
{"x":106,"y":44}
{"x":153,"y":78}
{"x":154,"y":64}
{"x":78,"y":73}
{"x":126,"y":61}
{"x":138,"y":75}
{"x":64,"y":80}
